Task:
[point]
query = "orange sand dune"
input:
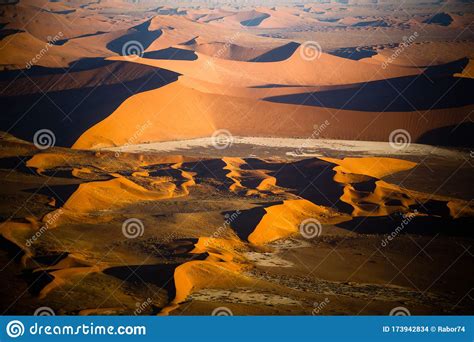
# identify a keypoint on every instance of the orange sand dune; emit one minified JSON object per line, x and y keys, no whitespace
{"x":252,"y":182}
{"x":424,"y":54}
{"x":20,"y":49}
{"x":293,"y":71}
{"x":180,"y":30}
{"x":354,"y":181}
{"x":283,"y":220}
{"x":279,"y":18}
{"x":115,"y":193}
{"x":224,"y":50}
{"x":66,"y":271}
{"x":371,"y":166}
{"x":468,"y":71}
{"x":47,"y":24}
{"x":179,"y":112}
{"x":221,"y":269}
{"x":252,"y":93}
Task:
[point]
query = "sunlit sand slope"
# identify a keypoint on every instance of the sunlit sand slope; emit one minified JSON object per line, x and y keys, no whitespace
{"x":266,"y":204}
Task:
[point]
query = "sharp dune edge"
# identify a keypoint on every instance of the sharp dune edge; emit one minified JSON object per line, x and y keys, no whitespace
{"x":221,"y":260}
{"x":202,"y":113}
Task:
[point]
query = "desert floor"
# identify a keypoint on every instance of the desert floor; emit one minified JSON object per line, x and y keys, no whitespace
{"x":232,"y":231}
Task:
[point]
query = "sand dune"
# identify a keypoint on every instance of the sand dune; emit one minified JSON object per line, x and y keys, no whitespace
{"x":294,"y":71}
{"x":353,"y":190}
{"x":249,"y":57}
{"x":203,"y":113}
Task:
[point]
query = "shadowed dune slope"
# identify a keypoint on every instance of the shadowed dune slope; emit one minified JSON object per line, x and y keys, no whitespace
{"x":200,"y":114}
{"x":296,"y":70}
{"x":70,"y":103}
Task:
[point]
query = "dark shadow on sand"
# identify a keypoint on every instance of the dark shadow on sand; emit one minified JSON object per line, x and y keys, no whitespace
{"x":69,"y":113}
{"x":435,"y":89}
{"x":461,"y":135}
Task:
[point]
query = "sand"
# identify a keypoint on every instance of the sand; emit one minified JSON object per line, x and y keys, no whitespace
{"x":243,"y":223}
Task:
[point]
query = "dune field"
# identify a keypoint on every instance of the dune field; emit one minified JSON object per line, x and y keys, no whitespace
{"x":236,"y":158}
